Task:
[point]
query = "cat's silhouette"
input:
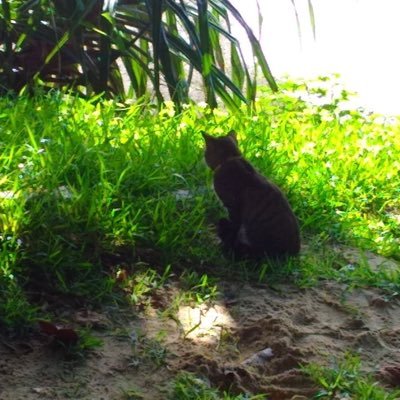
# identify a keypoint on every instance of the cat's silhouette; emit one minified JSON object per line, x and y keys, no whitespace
{"x":261,"y":221}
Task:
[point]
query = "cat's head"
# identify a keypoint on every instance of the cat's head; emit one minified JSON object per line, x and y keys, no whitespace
{"x":220,"y":149}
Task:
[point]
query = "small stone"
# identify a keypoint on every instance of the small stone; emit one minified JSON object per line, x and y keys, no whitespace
{"x":39,"y":390}
{"x":260,"y":357}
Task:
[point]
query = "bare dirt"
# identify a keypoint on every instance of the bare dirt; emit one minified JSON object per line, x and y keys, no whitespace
{"x":254,"y":340}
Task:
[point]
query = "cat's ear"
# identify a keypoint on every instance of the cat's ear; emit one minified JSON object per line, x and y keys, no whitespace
{"x":232,"y":134}
{"x":208,"y":138}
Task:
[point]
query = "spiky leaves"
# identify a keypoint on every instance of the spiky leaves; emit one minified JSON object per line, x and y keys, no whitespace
{"x":90,"y":45}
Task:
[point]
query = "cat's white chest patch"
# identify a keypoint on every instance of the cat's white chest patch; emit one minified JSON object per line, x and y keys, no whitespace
{"x":242,"y":236}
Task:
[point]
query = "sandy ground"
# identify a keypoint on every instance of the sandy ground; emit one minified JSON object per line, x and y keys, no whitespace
{"x":253,"y":340}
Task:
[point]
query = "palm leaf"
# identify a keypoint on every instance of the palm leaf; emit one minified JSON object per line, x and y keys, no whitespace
{"x":78,"y":43}
{"x":312,"y":17}
{"x":206,"y":55}
{"x":255,"y":44}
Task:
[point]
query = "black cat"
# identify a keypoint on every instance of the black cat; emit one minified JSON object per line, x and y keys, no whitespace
{"x":261,"y":221}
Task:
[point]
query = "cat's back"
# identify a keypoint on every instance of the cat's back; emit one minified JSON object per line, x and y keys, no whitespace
{"x":239,"y":175}
{"x":235,"y":173}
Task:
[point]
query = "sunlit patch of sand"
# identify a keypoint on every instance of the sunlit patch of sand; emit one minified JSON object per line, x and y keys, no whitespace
{"x":204,"y":323}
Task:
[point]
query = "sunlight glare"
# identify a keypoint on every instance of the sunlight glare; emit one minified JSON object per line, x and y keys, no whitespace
{"x":205,"y":323}
{"x":357,"y":39}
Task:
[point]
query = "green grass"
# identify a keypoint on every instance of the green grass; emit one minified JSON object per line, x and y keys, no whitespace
{"x":85,"y":181}
{"x":344,"y":379}
{"x":187,"y":386}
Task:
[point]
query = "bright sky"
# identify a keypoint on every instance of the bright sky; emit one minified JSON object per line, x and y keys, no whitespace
{"x":360,"y":39}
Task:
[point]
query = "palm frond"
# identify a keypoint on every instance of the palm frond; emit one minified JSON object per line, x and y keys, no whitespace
{"x":96,"y":45}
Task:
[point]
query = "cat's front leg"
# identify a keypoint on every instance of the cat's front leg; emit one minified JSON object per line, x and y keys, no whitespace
{"x":234,"y":217}
{"x":227,"y":232}
{"x":231,"y":239}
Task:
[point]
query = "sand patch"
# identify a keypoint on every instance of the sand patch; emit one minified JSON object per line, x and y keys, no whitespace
{"x":255,"y":341}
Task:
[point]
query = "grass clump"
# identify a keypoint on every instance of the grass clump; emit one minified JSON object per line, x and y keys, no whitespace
{"x":82,"y":181}
{"x":142,"y":284}
{"x":346,"y":380}
{"x":198,"y":289}
{"x":187,"y":386}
